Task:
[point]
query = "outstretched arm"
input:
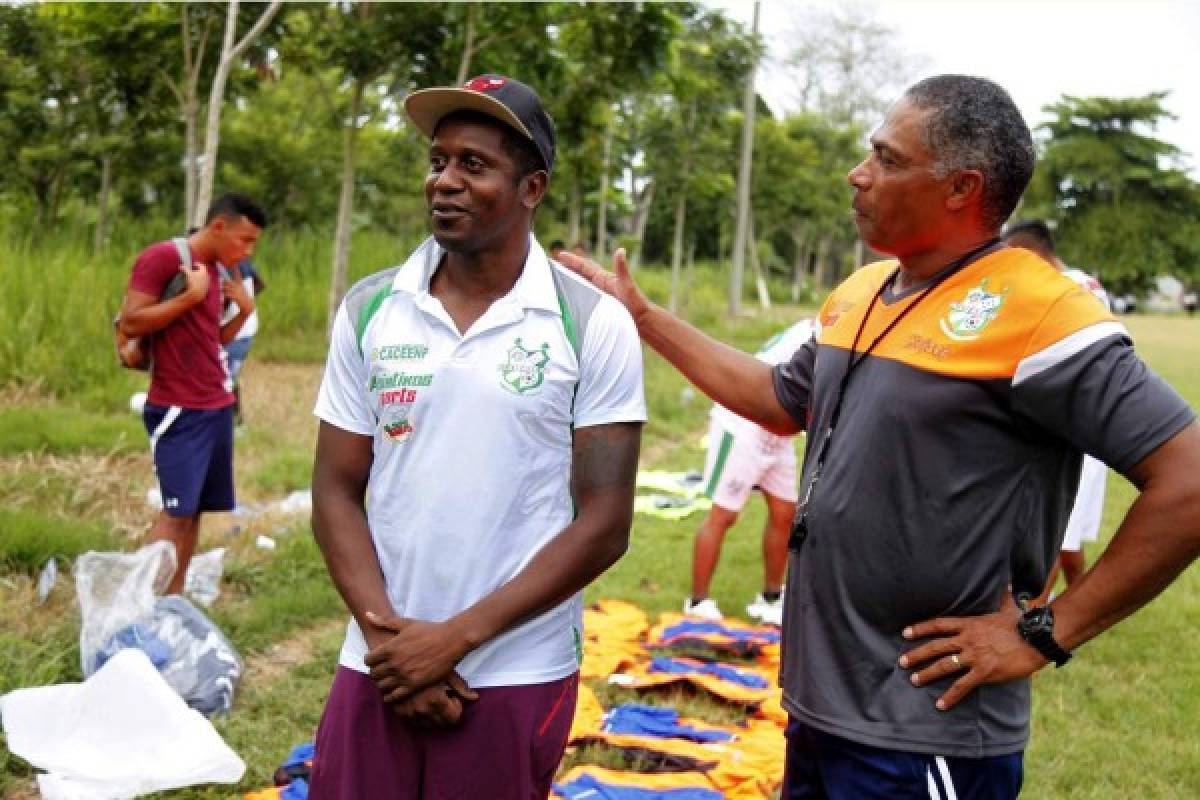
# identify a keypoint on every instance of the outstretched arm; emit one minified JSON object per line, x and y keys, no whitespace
{"x":736,"y":380}
{"x":603,"y":469}
{"x":1158,"y":539}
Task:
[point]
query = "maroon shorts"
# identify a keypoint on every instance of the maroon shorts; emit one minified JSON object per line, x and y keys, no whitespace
{"x":507,"y":746}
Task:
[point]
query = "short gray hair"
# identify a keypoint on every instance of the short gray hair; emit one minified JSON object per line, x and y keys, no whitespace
{"x":974,"y":124}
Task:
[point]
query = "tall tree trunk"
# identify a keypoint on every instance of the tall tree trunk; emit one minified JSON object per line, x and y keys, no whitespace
{"x":685,"y":176}
{"x":601,"y":253}
{"x":689,"y":269}
{"x":41,"y":198}
{"x":640,"y":217}
{"x":575,"y":210}
{"x":101,"y":232}
{"x":821,"y":278}
{"x":212,"y":130}
{"x":760,"y":280}
{"x":677,"y":250}
{"x":230,"y":52}
{"x":189,"y":106}
{"x":743,"y":184}
{"x":464,"y":62}
{"x":799,"y":260}
{"x":57,"y":184}
{"x":341,"y":237}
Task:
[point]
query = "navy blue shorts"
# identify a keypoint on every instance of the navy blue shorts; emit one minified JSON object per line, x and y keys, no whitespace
{"x":193,"y":456}
{"x":826,"y":767}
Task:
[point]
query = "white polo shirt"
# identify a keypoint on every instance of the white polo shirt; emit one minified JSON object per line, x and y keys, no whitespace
{"x":472,"y":444}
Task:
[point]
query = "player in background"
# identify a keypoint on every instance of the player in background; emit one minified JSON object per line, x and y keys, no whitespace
{"x":742,"y":457}
{"x":1086,"y":514}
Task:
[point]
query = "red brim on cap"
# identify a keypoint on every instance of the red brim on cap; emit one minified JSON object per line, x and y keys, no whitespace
{"x":426,"y":107}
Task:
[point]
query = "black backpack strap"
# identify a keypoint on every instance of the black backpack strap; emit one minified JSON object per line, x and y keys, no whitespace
{"x":185,"y":252}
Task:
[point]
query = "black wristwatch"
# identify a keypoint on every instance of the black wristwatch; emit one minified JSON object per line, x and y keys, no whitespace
{"x":1036,"y":626}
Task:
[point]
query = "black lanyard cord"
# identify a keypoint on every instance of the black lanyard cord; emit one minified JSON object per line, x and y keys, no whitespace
{"x":800,"y":531}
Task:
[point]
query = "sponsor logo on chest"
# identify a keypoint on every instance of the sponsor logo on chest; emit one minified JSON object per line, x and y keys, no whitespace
{"x":835,"y":312}
{"x":923,"y":344}
{"x":397,"y":391}
{"x":399,"y":352}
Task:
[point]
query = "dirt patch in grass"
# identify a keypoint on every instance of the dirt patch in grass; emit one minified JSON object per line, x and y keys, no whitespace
{"x":264,"y":669}
{"x":280,"y":398}
{"x":113,"y":487}
{"x":14,"y":394}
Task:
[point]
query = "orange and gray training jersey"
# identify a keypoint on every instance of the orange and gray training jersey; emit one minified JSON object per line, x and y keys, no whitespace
{"x":950,"y":477}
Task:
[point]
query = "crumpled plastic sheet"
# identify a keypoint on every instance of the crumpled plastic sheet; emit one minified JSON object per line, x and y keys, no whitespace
{"x":119,"y":603}
{"x":116,"y":590}
{"x":203,"y":580}
{"x":190,"y":652}
{"x":121,"y":733}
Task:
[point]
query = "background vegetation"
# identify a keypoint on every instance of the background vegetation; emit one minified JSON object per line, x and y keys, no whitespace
{"x":102,"y":145}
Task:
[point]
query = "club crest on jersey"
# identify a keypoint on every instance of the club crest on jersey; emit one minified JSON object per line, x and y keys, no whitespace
{"x":966,"y":319}
{"x":524,"y":370}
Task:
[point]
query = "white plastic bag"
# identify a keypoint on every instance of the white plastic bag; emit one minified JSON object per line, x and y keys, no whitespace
{"x":121,"y":733}
{"x":118,"y":597}
{"x":117,"y":590}
{"x":201,"y":665}
{"x":297,"y":502}
{"x":203,"y":581}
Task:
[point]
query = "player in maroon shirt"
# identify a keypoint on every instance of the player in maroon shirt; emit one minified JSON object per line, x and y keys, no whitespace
{"x":189,"y":410}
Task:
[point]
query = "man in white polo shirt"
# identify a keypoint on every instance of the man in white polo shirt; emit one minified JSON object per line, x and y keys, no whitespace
{"x":480,"y":420}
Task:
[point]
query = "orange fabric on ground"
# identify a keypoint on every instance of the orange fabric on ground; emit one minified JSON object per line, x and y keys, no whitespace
{"x":613,"y":630}
{"x":589,"y":714}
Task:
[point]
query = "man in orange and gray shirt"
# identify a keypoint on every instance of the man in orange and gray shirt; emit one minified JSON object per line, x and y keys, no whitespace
{"x":949,"y":396}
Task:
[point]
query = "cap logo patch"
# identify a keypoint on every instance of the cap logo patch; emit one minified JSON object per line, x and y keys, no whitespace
{"x":485,"y":83}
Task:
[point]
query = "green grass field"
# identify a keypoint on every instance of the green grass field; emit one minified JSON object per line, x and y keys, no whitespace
{"x":1118,"y":723}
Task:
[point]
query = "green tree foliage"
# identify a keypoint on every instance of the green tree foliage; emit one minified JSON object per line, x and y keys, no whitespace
{"x":690,"y":124}
{"x":602,"y":52}
{"x":1124,"y":206}
{"x":43,"y":121}
{"x":95,"y":98}
{"x":801,"y":195}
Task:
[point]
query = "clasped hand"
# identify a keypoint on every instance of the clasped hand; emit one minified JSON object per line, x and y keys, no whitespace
{"x":982,"y":649}
{"x":414,"y":670}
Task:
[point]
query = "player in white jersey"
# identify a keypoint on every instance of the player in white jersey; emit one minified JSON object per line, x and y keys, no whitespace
{"x":743,"y":456}
{"x":1088,"y":510}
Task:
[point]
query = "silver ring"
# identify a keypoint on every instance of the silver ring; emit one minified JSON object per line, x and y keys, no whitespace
{"x":956,"y":660}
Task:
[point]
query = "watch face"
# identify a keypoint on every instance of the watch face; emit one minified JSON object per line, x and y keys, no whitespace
{"x":1041,"y":618}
